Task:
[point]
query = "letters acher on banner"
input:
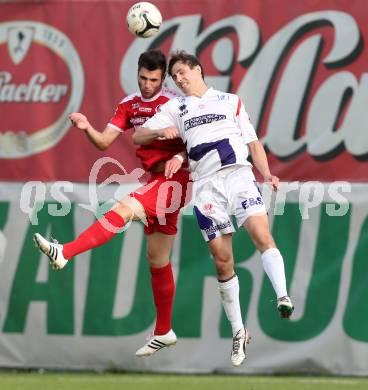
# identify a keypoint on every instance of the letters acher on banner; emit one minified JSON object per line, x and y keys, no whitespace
{"x":20,"y":36}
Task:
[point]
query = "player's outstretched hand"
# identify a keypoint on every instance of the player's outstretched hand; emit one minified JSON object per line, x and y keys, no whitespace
{"x":172,"y":166}
{"x":79,"y":120}
{"x":169,"y":133}
{"x":273,"y":181}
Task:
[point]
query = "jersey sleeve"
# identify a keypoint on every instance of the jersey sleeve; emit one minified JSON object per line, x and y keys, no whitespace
{"x":244,"y":123}
{"x":120,"y":119}
{"x":163,"y":118}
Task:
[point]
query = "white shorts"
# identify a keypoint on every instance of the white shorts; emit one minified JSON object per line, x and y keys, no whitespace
{"x":231,"y":191}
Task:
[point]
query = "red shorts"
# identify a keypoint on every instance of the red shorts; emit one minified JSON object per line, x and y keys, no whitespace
{"x":162,"y":200}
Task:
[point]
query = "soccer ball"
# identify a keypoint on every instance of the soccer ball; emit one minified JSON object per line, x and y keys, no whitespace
{"x":144,"y":19}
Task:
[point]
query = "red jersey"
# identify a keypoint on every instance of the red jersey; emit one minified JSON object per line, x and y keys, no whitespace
{"x":133,"y":111}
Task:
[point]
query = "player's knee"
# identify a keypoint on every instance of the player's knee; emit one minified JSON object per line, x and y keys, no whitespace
{"x":263,"y":241}
{"x":124,"y":211}
{"x":224,"y":263}
{"x":156,"y":260}
{"x":151,"y":256}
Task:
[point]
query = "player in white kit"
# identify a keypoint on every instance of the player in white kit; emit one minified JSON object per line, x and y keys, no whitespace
{"x":219,"y":136}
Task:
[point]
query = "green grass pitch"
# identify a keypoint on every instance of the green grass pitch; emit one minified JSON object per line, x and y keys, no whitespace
{"x":90,"y":381}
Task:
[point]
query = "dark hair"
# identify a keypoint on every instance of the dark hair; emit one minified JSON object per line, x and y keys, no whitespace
{"x":152,"y":60}
{"x":185,"y":58}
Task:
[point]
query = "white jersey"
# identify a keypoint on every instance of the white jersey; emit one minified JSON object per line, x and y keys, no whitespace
{"x":215,"y":128}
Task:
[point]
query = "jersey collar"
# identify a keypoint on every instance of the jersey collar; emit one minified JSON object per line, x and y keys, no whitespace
{"x":209,"y":92}
{"x":152,"y":98}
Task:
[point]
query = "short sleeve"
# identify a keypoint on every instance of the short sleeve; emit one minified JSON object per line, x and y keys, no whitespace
{"x":245,"y":125}
{"x":120,"y":119}
{"x":163,"y":118}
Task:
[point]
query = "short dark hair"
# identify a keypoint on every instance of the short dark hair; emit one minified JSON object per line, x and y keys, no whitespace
{"x":152,"y":60}
{"x":185,"y":58}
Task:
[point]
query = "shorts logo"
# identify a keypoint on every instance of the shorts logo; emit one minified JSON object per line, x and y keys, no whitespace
{"x":26,"y":87}
{"x":202,"y":120}
{"x":251,"y":202}
{"x":215,"y":228}
{"x":208,"y":209}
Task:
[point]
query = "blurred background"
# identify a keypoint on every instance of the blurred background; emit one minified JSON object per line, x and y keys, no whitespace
{"x":300,"y":67}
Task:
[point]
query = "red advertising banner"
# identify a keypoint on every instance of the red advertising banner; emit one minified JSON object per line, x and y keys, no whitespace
{"x":299,"y":66}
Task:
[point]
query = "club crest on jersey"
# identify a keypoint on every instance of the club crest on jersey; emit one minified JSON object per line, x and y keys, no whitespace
{"x":135,"y":106}
{"x":183,"y":109}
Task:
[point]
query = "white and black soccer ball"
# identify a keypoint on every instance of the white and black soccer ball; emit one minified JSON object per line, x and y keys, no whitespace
{"x":144,"y":19}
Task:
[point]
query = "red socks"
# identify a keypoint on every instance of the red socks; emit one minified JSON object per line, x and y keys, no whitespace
{"x":163,"y":287}
{"x":97,"y":234}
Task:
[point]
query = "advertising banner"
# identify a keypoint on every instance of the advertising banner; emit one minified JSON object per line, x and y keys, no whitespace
{"x":98,"y":310}
{"x":299,"y":66}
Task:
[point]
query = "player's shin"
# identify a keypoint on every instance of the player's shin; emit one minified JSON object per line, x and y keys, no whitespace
{"x":273,"y":264}
{"x":97,"y":234}
{"x":229,"y":292}
{"x":163,"y":287}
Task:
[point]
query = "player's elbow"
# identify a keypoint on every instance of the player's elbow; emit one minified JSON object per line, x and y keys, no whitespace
{"x":102,"y":146}
{"x":136,"y":139}
{"x":254,"y":148}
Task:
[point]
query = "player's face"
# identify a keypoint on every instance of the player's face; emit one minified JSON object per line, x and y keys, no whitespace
{"x":150,"y":82}
{"x":185,"y":77}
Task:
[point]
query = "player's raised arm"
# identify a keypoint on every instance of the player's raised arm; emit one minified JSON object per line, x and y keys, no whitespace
{"x":144,"y":135}
{"x":101,"y":139}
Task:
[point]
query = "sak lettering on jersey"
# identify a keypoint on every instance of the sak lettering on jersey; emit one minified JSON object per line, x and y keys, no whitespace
{"x":202,"y":120}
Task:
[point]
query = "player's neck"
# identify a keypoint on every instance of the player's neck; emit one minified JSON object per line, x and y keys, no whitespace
{"x":199,"y":91}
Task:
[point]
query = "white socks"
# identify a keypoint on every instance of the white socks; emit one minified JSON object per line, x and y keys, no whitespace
{"x":229,"y":292}
{"x":273,"y":264}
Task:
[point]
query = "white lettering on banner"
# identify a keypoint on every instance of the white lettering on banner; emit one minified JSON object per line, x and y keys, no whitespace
{"x":32,"y":92}
{"x":20,"y":36}
{"x":288,"y":109}
{"x":100,"y":349}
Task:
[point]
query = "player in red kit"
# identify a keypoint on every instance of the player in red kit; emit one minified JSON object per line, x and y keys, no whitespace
{"x":157,"y":203}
